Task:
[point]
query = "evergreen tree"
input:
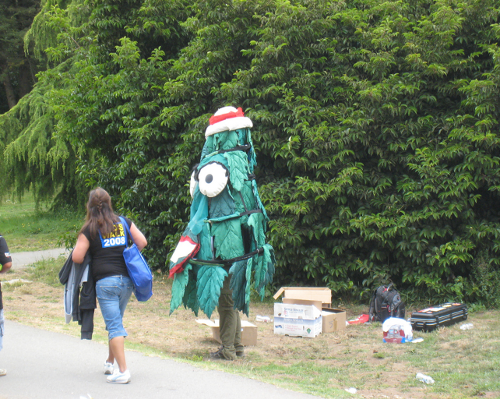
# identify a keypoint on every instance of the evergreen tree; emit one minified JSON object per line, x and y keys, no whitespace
{"x":17,"y":71}
{"x":113,"y":115}
{"x":34,"y":158}
{"x":376,"y":127}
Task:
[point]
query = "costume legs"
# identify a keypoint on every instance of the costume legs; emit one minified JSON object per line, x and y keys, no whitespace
{"x":230,"y":324}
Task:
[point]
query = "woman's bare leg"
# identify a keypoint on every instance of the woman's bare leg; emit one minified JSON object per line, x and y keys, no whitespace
{"x":117,"y":351}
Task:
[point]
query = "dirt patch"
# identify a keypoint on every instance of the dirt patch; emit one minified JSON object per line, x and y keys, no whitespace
{"x":378,"y":370}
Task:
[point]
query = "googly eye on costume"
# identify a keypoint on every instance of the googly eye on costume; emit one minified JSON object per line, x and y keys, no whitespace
{"x":212,"y":178}
{"x":193,"y":183}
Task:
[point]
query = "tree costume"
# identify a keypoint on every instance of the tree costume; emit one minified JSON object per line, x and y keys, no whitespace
{"x":223,"y":248}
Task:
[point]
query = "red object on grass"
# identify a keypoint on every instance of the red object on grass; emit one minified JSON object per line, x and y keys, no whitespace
{"x":360,"y":320}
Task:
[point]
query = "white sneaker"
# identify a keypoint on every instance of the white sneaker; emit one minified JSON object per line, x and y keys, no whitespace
{"x":108,"y":368}
{"x":119,"y":377}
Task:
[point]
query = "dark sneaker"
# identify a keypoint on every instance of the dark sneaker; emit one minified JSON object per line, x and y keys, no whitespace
{"x":222,"y":354}
{"x":240,"y":350}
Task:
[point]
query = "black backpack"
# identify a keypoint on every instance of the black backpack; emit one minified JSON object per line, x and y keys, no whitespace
{"x":386,"y":302}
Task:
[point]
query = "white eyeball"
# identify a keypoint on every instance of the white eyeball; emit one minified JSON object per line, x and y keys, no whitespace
{"x":212,"y":179}
{"x":192,"y":184}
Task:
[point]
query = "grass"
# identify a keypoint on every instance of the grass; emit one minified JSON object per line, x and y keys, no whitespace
{"x":27,"y":229}
{"x":464,"y":364}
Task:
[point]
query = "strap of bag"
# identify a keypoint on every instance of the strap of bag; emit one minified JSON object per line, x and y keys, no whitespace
{"x":127,"y":231}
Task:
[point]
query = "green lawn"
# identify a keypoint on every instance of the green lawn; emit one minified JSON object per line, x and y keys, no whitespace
{"x":464,"y":364}
{"x":27,"y":229}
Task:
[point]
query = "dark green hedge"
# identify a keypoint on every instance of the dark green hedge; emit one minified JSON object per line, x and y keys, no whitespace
{"x":375,"y":127}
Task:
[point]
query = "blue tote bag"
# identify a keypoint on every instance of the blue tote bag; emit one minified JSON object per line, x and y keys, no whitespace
{"x":138,"y":269}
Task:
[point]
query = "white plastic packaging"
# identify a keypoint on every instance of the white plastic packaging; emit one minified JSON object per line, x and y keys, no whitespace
{"x":424,"y":378}
{"x":395,"y":327}
{"x":467,"y":326}
{"x":265,"y":319}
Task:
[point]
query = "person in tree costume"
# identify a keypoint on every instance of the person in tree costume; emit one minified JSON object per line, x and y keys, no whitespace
{"x":223,"y":249}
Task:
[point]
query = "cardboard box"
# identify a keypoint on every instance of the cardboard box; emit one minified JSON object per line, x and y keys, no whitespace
{"x":322,"y":294}
{"x":289,"y":301}
{"x":333,"y":319}
{"x":300,"y":314}
{"x":298,"y":327}
{"x":293,"y":311}
{"x":248,"y":331}
{"x":297,"y":320}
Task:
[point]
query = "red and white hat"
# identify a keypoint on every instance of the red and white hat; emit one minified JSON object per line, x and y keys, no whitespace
{"x":227,"y":118}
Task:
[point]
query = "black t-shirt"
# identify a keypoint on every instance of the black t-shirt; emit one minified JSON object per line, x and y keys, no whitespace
{"x":107,"y":252}
{"x":4,"y":258}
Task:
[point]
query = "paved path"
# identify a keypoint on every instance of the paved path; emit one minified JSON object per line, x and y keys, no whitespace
{"x":42,"y":364}
{"x":21,"y":259}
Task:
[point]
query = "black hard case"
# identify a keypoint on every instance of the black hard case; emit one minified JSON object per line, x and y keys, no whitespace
{"x":444,"y":314}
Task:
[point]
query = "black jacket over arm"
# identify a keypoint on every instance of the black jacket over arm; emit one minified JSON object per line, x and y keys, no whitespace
{"x":79,"y":296}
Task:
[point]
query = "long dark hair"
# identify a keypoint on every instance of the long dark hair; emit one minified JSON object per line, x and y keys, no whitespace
{"x":100,"y":214}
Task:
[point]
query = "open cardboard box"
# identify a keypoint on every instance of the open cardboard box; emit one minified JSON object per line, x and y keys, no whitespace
{"x":322,"y":294}
{"x":317,"y":304}
{"x":248,"y":331}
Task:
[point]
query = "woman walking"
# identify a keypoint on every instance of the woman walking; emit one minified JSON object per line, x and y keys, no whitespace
{"x":104,"y":236}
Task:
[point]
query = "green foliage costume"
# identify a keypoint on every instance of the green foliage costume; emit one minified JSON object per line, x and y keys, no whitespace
{"x":225,"y":237}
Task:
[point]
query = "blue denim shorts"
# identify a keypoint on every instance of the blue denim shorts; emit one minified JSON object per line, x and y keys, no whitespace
{"x":113,"y":294}
{"x":2,"y":327}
